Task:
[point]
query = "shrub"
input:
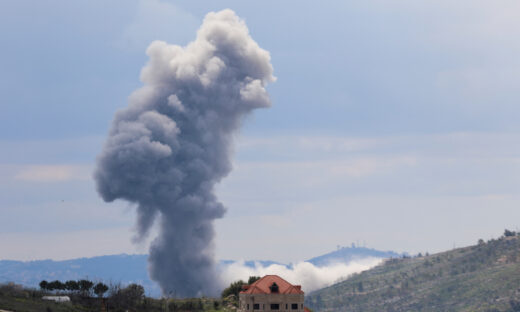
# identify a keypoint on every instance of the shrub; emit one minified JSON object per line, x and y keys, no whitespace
{"x":128,"y":298}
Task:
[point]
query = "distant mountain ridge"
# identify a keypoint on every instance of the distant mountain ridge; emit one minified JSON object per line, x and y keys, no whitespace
{"x":348,"y":254}
{"x":123,"y":268}
{"x":126,"y":269}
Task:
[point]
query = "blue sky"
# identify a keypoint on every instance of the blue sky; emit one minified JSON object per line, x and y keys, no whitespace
{"x":392,"y":123}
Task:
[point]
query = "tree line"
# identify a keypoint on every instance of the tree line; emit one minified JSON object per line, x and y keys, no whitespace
{"x":114,"y":297}
{"x":84,"y":287}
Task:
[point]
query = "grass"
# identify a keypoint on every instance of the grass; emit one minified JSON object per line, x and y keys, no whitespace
{"x":15,"y":298}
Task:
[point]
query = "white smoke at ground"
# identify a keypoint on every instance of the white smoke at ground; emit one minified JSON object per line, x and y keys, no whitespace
{"x":308,"y":275}
{"x":166,"y":151}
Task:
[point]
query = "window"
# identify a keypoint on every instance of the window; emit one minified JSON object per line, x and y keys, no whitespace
{"x":256,"y":306}
{"x":275,"y":306}
{"x":248,"y":306}
{"x":286,"y":306}
{"x":302,"y":306}
{"x":294,"y":306}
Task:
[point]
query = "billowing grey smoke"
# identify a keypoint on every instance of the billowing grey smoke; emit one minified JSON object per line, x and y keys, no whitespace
{"x":172,"y":144}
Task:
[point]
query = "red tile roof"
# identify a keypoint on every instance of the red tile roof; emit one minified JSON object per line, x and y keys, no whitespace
{"x":263,"y":286}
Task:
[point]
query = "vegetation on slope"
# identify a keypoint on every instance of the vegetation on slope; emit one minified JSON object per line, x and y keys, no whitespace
{"x":484,"y":277}
{"x":131,"y":298}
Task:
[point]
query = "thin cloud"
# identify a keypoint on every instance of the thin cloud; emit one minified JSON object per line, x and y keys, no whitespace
{"x":52,"y":173}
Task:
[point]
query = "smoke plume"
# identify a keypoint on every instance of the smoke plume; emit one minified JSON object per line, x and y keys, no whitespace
{"x":166,"y":151}
{"x":311,"y":277}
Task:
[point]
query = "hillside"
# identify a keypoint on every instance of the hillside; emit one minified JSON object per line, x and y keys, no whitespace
{"x":484,"y":277}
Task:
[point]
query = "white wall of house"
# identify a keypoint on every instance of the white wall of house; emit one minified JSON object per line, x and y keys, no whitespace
{"x":268,"y":302}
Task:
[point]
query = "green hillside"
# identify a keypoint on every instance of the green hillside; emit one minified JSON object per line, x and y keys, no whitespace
{"x":484,"y":277}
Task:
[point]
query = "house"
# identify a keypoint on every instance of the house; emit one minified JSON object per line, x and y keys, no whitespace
{"x":271,"y":293}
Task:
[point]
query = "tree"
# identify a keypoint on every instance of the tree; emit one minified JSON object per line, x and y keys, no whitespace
{"x":72,"y":285}
{"x":85,"y":286}
{"x":127,"y":298}
{"x":133,"y":293}
{"x":55,"y":285}
{"x":44,"y":284}
{"x":100,"y":289}
{"x":236,"y":287}
{"x":252,"y":279}
{"x":233,"y":289}
{"x":508,"y":233}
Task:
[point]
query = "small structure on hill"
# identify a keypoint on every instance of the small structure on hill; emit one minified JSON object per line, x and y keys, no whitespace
{"x":271,"y":293}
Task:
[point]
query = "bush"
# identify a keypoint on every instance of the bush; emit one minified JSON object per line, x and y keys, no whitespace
{"x":128,"y":298}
